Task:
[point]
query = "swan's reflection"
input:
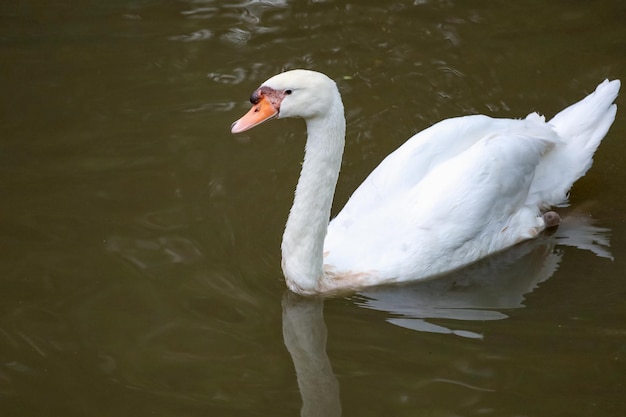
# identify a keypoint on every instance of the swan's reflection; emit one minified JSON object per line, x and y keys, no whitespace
{"x":304,"y":332}
{"x":475,"y":293}
{"x":481,"y":291}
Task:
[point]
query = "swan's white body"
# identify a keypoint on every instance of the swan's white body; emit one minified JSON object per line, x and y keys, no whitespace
{"x":454,"y":193}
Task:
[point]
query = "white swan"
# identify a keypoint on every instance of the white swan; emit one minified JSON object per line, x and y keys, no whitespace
{"x":454,"y":193}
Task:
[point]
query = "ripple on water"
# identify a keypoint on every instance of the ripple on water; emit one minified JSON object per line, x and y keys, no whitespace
{"x":199,"y":35}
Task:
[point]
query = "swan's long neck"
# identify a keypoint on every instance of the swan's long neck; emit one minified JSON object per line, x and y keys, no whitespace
{"x":303,"y":240}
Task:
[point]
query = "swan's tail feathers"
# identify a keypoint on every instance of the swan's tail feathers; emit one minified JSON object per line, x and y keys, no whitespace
{"x":580,"y":128}
{"x":584,"y":124}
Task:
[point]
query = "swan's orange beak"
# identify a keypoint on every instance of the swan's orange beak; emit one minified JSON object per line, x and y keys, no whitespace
{"x":260,"y":112}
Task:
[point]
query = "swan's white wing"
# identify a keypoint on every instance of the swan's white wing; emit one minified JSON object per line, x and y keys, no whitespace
{"x":408,"y":164}
{"x":453,"y":193}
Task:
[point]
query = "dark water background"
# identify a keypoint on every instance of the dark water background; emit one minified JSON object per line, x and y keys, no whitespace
{"x":139,"y":240}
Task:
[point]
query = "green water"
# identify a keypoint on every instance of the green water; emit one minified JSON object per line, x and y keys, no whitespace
{"x":140,"y":262}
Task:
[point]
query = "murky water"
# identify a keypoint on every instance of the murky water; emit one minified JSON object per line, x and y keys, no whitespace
{"x":140,"y":263}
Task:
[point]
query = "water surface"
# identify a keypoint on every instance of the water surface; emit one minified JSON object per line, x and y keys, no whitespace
{"x":140,"y":262}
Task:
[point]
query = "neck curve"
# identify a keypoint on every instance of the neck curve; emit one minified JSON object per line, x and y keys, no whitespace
{"x":303,"y":239}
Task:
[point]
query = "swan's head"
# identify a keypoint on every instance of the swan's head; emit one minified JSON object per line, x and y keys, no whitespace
{"x":296,"y":93}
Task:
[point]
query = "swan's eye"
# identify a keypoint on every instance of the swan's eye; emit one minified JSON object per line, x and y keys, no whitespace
{"x":288,"y":92}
